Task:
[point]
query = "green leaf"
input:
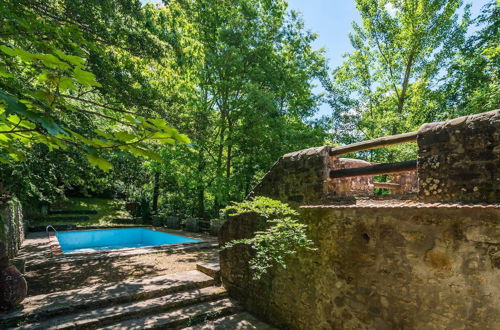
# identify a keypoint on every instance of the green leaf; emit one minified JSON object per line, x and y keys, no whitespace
{"x":25,"y":56}
{"x":16,"y":107}
{"x":66,"y":83}
{"x":5,"y":74}
{"x":52,"y":62}
{"x":124,"y":136}
{"x":7,"y":50}
{"x":142,"y":152}
{"x":85,"y":77}
{"x":99,"y":162}
{"x":75,"y":60}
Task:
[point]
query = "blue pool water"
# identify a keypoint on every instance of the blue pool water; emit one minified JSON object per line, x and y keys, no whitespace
{"x":111,"y":239}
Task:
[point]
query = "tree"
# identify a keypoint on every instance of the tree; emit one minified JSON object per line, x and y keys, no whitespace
{"x":76,"y":73}
{"x":111,"y":76}
{"x":472,"y":83}
{"x":254,"y":94}
{"x":86,"y":81}
{"x":387,"y":85}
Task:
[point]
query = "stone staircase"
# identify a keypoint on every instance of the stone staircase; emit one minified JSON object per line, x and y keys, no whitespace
{"x":190,"y":299}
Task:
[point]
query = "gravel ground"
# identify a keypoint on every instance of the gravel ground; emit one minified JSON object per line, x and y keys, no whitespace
{"x":67,"y":276}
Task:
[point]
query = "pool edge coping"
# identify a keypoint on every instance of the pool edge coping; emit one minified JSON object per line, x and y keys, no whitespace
{"x":47,"y":257}
{"x":59,"y":251}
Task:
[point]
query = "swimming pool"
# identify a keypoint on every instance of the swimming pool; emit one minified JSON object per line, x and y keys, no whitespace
{"x":111,"y":239}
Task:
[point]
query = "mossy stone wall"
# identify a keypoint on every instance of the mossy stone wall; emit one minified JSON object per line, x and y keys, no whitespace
{"x":11,"y":225}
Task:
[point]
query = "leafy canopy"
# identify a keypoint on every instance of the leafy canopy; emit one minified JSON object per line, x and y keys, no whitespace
{"x":388,"y":83}
{"x":53,"y":93}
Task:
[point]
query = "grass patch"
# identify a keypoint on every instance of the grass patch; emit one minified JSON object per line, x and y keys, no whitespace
{"x":107,"y":209}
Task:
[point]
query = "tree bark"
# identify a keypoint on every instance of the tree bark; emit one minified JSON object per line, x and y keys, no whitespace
{"x":156,"y":191}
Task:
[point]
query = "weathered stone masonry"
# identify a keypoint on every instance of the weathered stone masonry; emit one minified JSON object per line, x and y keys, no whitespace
{"x":11,"y":220}
{"x":459,"y":160}
{"x":415,"y":264}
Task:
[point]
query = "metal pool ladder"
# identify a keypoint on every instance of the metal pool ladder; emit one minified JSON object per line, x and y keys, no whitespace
{"x":47,"y":230}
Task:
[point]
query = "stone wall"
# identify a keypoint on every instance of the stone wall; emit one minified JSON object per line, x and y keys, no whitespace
{"x":408,"y":182}
{"x":302,"y":177}
{"x":350,"y":186}
{"x":11,"y":225}
{"x":459,"y":160}
{"x":297,"y":178}
{"x":385,"y":267}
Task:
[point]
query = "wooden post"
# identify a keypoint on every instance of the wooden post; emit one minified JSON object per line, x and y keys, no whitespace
{"x":386,"y":185}
{"x":372,"y":144}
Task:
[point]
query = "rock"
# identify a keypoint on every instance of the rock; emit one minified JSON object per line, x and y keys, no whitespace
{"x":173,"y":223}
{"x":13,"y":287}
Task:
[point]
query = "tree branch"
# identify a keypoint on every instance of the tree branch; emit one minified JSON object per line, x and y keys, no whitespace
{"x":18,"y":131}
{"x":95,"y":103}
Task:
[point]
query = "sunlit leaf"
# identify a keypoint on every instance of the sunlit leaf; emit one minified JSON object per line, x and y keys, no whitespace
{"x":99,"y":162}
{"x":85,"y":77}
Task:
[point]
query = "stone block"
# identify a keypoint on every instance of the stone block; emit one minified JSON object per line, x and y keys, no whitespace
{"x":460,"y":155}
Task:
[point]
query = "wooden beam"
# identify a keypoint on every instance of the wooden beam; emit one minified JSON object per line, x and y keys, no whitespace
{"x":372,"y":144}
{"x":386,"y":185}
{"x":375,"y":169}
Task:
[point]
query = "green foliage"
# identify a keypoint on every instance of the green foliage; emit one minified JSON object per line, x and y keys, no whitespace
{"x":472,"y":84}
{"x":281,"y":233}
{"x":387,"y":84}
{"x":55,"y":88}
{"x":102,"y":82}
{"x":252,"y":104}
{"x":108,"y":210}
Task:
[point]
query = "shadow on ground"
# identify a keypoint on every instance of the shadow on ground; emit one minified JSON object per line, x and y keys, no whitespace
{"x":72,"y":275}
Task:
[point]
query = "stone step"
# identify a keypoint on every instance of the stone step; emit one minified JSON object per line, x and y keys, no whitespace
{"x":211,"y":269}
{"x":181,"y":317}
{"x":60,"y":227}
{"x":66,"y":218}
{"x":41,"y":307}
{"x":69,"y":211}
{"x":235,"y":321}
{"x":97,"y":318}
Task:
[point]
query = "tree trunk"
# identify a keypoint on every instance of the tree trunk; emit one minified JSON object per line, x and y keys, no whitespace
{"x":406,"y":80}
{"x":201,"y":185}
{"x":156,"y":191}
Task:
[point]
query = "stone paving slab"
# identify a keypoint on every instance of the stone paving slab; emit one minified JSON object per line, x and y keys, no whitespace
{"x":107,"y":315}
{"x":240,"y":321}
{"x":43,"y":306}
{"x":121,"y":253}
{"x":180,"y":317}
{"x":36,"y":246}
{"x":212,"y":269}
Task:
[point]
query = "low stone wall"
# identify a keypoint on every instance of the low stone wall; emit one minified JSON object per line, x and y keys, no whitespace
{"x":351,"y":186}
{"x":459,"y":160}
{"x":408,"y":182}
{"x":297,"y":178}
{"x":12,"y":225}
{"x":302,"y":177}
{"x":385,"y":267}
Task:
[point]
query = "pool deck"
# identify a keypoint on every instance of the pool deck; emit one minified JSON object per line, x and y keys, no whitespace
{"x":68,"y":271}
{"x":37,"y":250}
{"x":169,"y":286}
